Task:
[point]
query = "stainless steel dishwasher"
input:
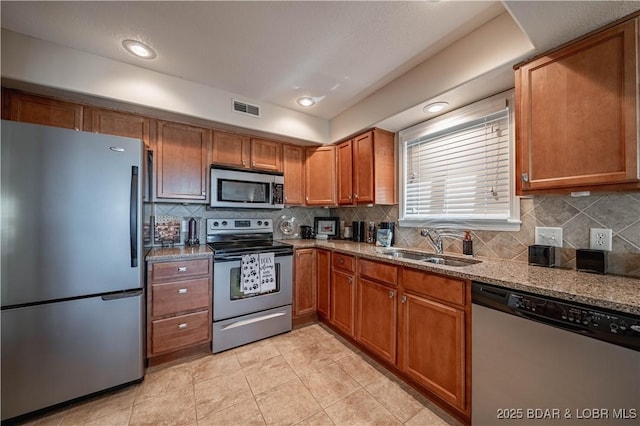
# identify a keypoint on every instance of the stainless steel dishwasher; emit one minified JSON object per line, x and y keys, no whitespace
{"x":539,"y":360}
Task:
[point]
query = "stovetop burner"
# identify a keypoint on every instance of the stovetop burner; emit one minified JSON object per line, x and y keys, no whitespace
{"x":243,"y":236}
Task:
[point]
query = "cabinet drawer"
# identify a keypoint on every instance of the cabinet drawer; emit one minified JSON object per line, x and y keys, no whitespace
{"x":343,"y":261}
{"x":378,"y":271}
{"x":443,"y":288}
{"x":175,"y":297}
{"x":179,"y":269}
{"x":178,"y":332}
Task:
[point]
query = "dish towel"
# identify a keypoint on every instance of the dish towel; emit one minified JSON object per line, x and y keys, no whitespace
{"x":267,"y":272}
{"x":250,"y":273}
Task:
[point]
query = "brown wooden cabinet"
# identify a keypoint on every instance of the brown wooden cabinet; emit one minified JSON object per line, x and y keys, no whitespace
{"x":323,"y":279}
{"x":293,"y":168}
{"x":320,"y":176}
{"x":305,"y":286}
{"x":366,"y":169}
{"x":577,"y":116}
{"x":178,"y":305}
{"x":343,"y":292}
{"x":241,"y":151}
{"x":117,"y":123}
{"x":45,"y":111}
{"x":376,"y":308}
{"x":432,"y":338}
{"x":181,"y":162}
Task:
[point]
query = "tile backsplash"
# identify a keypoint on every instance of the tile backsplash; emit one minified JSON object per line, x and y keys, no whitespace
{"x":619,"y":212}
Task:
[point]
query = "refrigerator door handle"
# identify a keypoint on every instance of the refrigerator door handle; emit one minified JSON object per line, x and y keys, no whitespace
{"x":121,"y":295}
{"x":133,"y":217}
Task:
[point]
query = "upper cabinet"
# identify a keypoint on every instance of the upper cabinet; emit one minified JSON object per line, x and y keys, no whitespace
{"x":45,"y":111}
{"x":244,"y":152}
{"x":366,"y":169}
{"x":577,"y":115}
{"x":118,"y":123}
{"x":293,"y":168}
{"x":320,"y":176}
{"x":181,"y":162}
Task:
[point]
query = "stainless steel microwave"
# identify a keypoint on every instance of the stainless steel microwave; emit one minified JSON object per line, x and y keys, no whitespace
{"x":246,"y":189}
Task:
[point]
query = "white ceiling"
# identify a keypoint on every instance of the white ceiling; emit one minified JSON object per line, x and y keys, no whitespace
{"x":274,"y":52}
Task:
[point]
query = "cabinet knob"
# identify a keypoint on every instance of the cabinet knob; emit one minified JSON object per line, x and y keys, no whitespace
{"x":355,"y":196}
{"x":391,"y":294}
{"x":341,"y":261}
{"x":525,"y":177}
{"x":182,"y":326}
{"x":404,"y":299}
{"x":350,"y":280}
{"x":244,"y":163}
{"x":349,"y":197}
{"x":182,"y":269}
{"x":182,"y":291}
{"x":306,"y":198}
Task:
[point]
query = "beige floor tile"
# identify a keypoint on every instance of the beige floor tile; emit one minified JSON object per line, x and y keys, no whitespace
{"x":175,"y":380}
{"x":315,"y":332}
{"x":360,"y":370}
{"x":245,"y":413}
{"x":268,"y":374}
{"x":288,"y":403}
{"x":360,"y":408}
{"x":214,"y":365}
{"x":118,"y":418}
{"x":119,"y":402}
{"x":294,"y":340}
{"x":50,"y":419}
{"x":394,"y":399}
{"x":318,"y":419}
{"x":426,"y":417}
{"x":329,"y":384}
{"x":334,"y":348}
{"x":308,"y":359}
{"x":256,"y":353}
{"x":167,"y":409}
{"x":221,"y":392}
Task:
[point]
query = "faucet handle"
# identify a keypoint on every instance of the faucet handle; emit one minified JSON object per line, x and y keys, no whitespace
{"x":424,"y":232}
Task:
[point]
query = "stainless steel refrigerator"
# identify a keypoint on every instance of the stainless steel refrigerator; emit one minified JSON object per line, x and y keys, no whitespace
{"x":72,"y":269}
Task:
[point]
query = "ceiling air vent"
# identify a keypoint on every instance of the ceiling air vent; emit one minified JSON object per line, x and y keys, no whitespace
{"x":245,"y":108}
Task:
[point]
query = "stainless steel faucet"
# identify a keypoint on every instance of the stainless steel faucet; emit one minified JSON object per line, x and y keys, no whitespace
{"x":435,"y":242}
{"x":435,"y":238}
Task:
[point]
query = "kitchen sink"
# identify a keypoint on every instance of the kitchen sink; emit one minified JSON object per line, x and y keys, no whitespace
{"x":428,"y":257}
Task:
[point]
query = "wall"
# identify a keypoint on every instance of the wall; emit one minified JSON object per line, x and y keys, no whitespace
{"x":619,"y":212}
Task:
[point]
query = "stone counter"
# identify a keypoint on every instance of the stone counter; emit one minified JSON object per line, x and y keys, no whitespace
{"x":178,"y":252}
{"x":605,"y":291}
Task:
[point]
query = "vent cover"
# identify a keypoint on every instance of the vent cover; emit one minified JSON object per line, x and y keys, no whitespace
{"x":245,"y":108}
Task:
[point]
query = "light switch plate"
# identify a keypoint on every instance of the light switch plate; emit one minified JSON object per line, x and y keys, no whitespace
{"x":600,"y":239}
{"x":548,"y":236}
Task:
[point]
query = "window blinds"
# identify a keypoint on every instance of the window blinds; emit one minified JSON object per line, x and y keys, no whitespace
{"x":460,"y":172}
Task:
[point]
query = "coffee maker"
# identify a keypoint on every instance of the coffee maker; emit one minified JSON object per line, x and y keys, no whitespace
{"x":359,"y":231}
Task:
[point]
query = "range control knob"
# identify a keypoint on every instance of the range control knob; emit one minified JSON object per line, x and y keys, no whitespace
{"x":216,"y":223}
{"x":259,"y":222}
{"x":266,"y":223}
{"x":224,"y":223}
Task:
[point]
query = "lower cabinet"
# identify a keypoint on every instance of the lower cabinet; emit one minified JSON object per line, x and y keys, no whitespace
{"x":323,"y":277}
{"x":178,"y":305}
{"x":304,"y":290}
{"x":343,"y":290}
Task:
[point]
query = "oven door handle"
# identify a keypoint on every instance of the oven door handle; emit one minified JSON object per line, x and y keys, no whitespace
{"x":237,"y":257}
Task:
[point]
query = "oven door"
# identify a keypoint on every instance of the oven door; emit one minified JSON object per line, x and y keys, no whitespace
{"x":228,"y":299}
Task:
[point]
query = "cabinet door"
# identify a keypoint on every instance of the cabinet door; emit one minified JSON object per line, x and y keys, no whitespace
{"x":304,"y":292}
{"x":363,"y":169}
{"x":577,"y":113}
{"x":118,"y":124}
{"x":293,"y":168}
{"x":320,"y":176}
{"x":230,"y":149}
{"x":345,"y":173}
{"x":376,"y":322}
{"x":182,"y":161}
{"x":432,"y":349}
{"x":342,"y":301}
{"x":48,"y":112}
{"x":323,"y":277}
{"x":266,"y":155}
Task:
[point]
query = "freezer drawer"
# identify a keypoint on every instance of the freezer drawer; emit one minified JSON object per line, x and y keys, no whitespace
{"x":56,"y":352}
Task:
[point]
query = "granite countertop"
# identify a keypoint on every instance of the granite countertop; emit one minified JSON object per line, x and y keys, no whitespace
{"x":605,"y":291}
{"x":172,"y":253}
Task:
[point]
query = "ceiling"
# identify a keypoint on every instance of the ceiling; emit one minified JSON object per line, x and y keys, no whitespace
{"x":341,"y":52}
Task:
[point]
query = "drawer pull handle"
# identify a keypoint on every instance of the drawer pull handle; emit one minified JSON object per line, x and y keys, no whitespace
{"x":182,"y":269}
{"x":182,"y":291}
{"x":341,"y":261}
{"x":182,"y":326}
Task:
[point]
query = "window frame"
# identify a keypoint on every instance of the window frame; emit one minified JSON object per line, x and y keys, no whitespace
{"x":450,"y":120}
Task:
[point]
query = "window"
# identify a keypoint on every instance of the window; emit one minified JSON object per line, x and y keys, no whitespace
{"x":456,"y":169}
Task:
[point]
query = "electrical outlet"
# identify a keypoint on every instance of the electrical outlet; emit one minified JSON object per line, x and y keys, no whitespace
{"x":600,"y":239}
{"x":548,"y":236}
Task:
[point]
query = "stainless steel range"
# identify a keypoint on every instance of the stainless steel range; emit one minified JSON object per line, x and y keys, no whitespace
{"x":252,"y":282}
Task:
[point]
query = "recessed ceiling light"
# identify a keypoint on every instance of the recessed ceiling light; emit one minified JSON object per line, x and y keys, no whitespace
{"x":435,"y":107}
{"x":139,"y":49}
{"x":306,"y":101}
